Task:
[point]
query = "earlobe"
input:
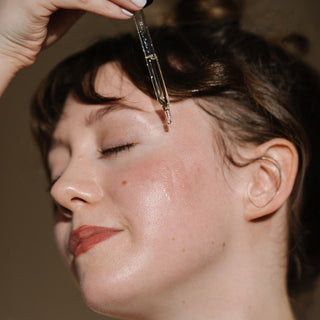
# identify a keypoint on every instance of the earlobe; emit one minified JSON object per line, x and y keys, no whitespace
{"x":271,"y":178}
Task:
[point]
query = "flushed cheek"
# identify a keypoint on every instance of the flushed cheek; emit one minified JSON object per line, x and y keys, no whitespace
{"x":174,"y":210}
{"x":167,"y":198}
{"x":153,"y":184}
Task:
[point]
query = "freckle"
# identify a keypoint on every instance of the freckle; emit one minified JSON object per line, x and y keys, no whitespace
{"x":212,"y":242}
{"x":183,"y":250}
{"x":124,"y":182}
{"x":217,"y":169}
{"x":183,"y":302}
{"x":223,"y":244}
{"x":173,"y":239}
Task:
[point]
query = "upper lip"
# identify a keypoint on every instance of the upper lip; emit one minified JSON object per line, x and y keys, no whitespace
{"x":84,"y":232}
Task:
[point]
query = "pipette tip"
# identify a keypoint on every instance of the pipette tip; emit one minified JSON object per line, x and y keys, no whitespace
{"x":168,"y":116}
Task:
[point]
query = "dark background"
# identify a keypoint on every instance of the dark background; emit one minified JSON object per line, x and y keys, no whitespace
{"x":33,"y":282}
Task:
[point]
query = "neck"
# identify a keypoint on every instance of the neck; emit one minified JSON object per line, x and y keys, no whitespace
{"x":247,"y":284}
{"x":235,"y":296}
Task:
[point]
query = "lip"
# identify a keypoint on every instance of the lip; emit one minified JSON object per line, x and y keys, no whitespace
{"x":86,"y":237}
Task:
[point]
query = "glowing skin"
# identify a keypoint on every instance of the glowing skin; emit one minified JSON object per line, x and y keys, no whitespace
{"x":178,"y":216}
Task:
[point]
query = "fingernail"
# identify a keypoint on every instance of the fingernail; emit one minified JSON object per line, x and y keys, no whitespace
{"x":139,"y":3}
{"x":127,"y":13}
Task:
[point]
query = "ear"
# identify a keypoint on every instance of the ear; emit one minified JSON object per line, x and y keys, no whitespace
{"x":271,"y":178}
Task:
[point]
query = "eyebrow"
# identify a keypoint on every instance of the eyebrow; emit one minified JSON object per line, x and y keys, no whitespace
{"x":98,"y":115}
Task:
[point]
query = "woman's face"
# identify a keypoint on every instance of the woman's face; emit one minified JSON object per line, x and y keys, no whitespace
{"x":158,"y":195}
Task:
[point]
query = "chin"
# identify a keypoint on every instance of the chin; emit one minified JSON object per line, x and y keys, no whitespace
{"x":114,"y":302}
{"x":112,"y":294}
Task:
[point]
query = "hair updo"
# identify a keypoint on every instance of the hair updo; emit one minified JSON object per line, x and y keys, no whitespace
{"x":260,"y":92}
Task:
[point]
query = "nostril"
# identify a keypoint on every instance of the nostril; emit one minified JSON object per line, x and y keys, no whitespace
{"x":75,"y":199}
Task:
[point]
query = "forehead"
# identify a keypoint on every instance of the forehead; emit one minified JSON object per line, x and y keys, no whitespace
{"x":113,"y":83}
{"x":111,"y":80}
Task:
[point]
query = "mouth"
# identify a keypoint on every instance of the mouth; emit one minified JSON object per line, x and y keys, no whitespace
{"x":86,"y":237}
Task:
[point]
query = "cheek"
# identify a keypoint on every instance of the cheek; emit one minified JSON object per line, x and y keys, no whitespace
{"x":169,"y":197}
{"x":175,"y":212}
{"x":154,"y":184}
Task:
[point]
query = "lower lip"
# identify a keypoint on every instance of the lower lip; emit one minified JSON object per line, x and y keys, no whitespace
{"x":90,"y":242}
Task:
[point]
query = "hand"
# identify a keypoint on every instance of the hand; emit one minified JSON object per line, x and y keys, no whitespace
{"x":26,"y":26}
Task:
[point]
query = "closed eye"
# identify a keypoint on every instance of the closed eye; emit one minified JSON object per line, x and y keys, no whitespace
{"x":105,"y":153}
{"x":115,"y":150}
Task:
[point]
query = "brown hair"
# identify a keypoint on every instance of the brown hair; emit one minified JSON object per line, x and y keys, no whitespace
{"x":260,"y":93}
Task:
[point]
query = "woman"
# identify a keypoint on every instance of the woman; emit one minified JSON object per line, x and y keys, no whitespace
{"x":196,"y":220}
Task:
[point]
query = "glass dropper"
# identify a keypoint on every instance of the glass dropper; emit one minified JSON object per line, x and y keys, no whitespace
{"x":153,"y":64}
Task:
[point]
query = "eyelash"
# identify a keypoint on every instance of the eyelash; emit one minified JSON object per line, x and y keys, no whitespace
{"x":116,"y":150}
{"x":105,"y":153}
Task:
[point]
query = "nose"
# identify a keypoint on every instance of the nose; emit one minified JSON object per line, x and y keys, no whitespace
{"x":78,"y":186}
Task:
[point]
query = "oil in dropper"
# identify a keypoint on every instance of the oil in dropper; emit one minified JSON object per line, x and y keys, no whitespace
{"x":153,"y":65}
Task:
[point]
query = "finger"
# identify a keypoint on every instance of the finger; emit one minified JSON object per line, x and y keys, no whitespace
{"x":128,"y":7}
{"x":115,"y":9}
{"x":131,"y":5}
